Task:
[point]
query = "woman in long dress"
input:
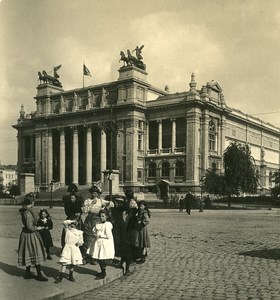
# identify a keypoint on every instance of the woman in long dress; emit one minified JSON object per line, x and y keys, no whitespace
{"x":31,"y":250}
{"x":91,"y":207}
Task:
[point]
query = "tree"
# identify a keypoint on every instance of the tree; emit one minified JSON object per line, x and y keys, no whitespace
{"x":275,"y":191}
{"x":214,"y":183}
{"x":240,"y":170}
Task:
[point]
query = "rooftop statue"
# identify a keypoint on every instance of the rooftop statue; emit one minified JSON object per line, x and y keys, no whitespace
{"x":138,"y":52}
{"x":132,"y":60}
{"x":53,"y":80}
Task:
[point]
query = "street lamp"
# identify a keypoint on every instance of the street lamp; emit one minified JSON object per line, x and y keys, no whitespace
{"x":51,"y":185}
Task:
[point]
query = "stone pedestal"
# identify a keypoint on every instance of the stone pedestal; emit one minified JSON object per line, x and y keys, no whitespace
{"x":27,"y":183}
{"x":114,"y":176}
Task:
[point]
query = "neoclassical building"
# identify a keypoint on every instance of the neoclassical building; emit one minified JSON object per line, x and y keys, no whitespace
{"x":148,"y":138}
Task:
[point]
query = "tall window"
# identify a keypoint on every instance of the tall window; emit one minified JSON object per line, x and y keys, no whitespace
{"x":180,"y":166}
{"x":165,"y":169}
{"x":212,"y":136}
{"x":270,"y":178}
{"x":152,"y":169}
{"x":140,"y":143}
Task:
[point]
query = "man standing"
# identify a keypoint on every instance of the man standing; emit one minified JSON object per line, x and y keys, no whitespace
{"x":188,"y":202}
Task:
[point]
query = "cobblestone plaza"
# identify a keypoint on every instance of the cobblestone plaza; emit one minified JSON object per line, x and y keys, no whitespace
{"x":215,"y":254}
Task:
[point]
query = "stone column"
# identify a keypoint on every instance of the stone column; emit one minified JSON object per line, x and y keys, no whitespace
{"x":75,"y":156}
{"x":132,"y":154}
{"x":62,"y":157}
{"x":173,"y":143}
{"x":192,"y":162}
{"x":204,"y":142}
{"x":50,"y":157}
{"x":38,"y":159}
{"x":89,"y":156}
{"x":147,"y":137}
{"x":159,"y":136}
{"x":103,"y":154}
{"x":222,"y":139}
{"x":32,"y":148}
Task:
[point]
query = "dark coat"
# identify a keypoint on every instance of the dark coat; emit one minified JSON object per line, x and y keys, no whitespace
{"x":45,"y":233}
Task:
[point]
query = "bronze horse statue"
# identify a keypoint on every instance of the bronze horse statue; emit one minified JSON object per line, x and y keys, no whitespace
{"x":124,"y":59}
{"x":135,"y":61}
{"x":41,"y":78}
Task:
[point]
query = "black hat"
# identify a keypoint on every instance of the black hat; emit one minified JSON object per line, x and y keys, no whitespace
{"x":95,"y":189}
{"x":72,"y":188}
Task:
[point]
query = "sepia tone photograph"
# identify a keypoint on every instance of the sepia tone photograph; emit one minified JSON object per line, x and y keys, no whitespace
{"x":140,"y":149}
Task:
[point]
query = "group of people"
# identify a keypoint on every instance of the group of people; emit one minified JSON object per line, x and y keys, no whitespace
{"x":94,"y":231}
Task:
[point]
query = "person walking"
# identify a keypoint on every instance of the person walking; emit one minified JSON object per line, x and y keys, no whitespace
{"x":102,"y":246}
{"x":45,"y":222}
{"x":71,"y":254}
{"x":31,"y":250}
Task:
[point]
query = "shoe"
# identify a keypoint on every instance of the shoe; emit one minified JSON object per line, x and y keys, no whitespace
{"x":101,"y":275}
{"x":93,"y":262}
{"x":41,"y":278}
{"x":71,"y":278}
{"x":59,"y":278}
{"x":29,"y":275}
{"x":127,"y":273}
{"x":49,"y":257}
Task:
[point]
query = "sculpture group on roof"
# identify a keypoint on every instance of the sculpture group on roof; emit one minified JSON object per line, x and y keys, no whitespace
{"x":131,"y":60}
{"x":44,"y":77}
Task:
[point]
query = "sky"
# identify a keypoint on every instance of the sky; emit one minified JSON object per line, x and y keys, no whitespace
{"x":233,"y":42}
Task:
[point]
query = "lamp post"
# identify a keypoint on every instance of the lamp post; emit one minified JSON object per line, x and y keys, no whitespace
{"x":51,"y":185}
{"x":111,"y":154}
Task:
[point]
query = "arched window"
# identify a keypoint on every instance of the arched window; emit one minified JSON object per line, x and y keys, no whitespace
{"x":180,"y":167}
{"x":212,"y":136}
{"x":152,"y":169}
{"x":165,"y":169}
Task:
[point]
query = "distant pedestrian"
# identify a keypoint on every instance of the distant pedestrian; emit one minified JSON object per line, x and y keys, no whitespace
{"x":31,"y":248}
{"x":102,"y":246}
{"x":45,"y":222}
{"x":188,"y":202}
{"x":144,"y":217}
{"x":181,"y":204}
{"x":71,"y":254}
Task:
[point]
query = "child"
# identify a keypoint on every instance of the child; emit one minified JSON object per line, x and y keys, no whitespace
{"x":31,"y":248}
{"x":144,"y":239}
{"x":102,"y":246}
{"x":46,"y":223}
{"x":71,"y":254}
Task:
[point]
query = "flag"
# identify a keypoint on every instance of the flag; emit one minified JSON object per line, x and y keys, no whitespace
{"x":57,"y":68}
{"x":86,"y":71}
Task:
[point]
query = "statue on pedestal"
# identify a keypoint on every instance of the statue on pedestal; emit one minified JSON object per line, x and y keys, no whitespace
{"x":132,"y":60}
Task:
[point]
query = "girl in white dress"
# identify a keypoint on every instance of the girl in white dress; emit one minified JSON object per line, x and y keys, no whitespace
{"x":71,"y":254}
{"x":102,"y":246}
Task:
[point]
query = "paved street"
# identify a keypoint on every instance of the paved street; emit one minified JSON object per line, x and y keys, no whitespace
{"x":211,"y":255}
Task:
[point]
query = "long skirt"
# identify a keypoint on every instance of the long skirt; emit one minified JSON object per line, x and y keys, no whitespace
{"x":31,"y":249}
{"x":144,"y":239}
{"x":89,"y":223}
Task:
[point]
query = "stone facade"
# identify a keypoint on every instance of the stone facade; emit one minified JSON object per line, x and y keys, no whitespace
{"x":144,"y":133}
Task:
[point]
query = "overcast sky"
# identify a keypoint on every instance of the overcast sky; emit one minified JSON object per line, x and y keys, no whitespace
{"x":235,"y":43}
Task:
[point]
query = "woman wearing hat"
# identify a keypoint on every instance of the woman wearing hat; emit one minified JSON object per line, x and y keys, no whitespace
{"x":92,"y":206}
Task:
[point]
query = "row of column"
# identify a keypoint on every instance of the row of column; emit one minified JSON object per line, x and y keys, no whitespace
{"x":44,"y":156}
{"x":173,"y":141}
